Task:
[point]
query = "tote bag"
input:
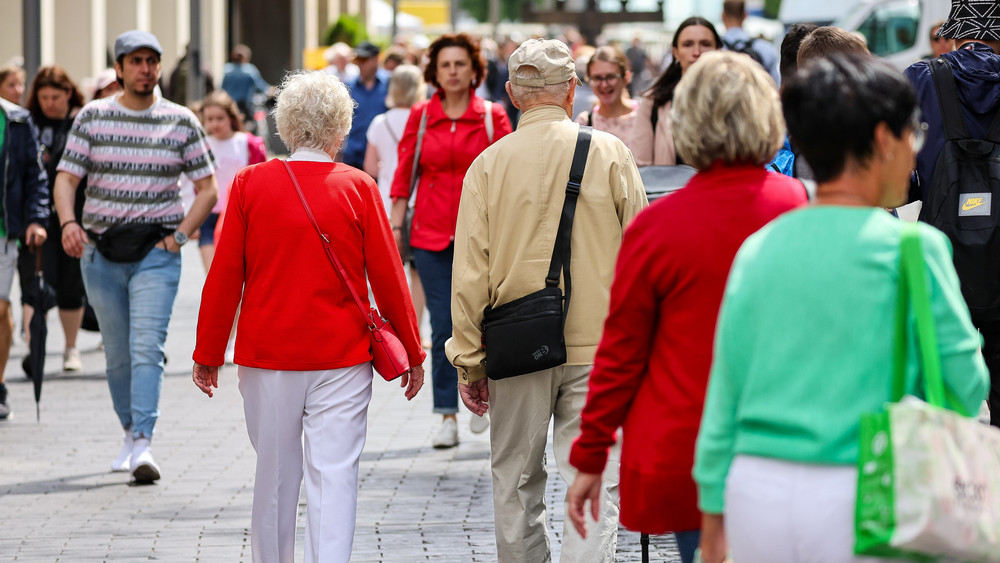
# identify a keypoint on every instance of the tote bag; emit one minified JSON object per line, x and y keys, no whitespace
{"x":928,"y":477}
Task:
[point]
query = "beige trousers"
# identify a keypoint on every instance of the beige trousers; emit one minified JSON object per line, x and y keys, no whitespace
{"x":520,"y":410}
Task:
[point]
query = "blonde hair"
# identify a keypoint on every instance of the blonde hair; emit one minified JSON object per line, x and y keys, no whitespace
{"x":313,"y":110}
{"x":726,"y":108}
{"x":406,"y":87}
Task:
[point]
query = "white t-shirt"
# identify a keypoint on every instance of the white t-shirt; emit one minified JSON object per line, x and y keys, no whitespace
{"x":384,"y":134}
{"x":231,"y":156}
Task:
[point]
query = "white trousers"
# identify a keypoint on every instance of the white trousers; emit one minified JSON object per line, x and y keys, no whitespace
{"x":330,"y":409}
{"x":520,"y":410}
{"x":785,"y":512}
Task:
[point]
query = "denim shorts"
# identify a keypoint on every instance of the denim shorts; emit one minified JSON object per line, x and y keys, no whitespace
{"x":208,"y":230}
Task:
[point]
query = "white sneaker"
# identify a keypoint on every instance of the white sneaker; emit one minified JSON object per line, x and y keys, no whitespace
{"x":447,"y":435}
{"x":71,"y":360}
{"x":121,"y":463}
{"x":479,"y":424}
{"x":144,"y":468}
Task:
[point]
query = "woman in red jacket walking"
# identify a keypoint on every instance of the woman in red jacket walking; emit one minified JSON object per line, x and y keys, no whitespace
{"x":303,"y":347}
{"x":459,"y":125}
{"x":651,"y":369}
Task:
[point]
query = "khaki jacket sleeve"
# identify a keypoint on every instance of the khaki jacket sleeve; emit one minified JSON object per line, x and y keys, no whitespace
{"x":470,"y":278}
{"x":627,"y":188}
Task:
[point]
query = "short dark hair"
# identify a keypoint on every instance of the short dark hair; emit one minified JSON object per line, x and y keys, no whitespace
{"x":833,"y":104}
{"x":463,"y":40}
{"x":790,"y":47}
{"x":734,"y":8}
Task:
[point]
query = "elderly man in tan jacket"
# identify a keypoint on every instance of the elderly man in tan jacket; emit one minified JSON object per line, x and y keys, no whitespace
{"x":508,"y":215}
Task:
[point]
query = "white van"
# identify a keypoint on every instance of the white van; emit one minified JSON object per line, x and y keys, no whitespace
{"x":896,"y":30}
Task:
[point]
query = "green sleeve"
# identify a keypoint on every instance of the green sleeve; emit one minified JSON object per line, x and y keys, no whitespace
{"x":966,"y":378}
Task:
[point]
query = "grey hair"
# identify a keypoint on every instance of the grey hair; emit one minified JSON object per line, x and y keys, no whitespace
{"x":406,"y":87}
{"x":533,"y":95}
{"x":313,"y":110}
{"x":726,"y":108}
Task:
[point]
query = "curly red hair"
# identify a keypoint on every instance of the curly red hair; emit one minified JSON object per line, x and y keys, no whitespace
{"x":463,"y":40}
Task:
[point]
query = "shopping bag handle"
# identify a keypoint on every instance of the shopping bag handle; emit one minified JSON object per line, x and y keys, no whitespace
{"x":913,"y":292}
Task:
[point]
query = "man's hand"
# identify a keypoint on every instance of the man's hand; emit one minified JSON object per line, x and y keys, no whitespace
{"x":35,"y":235}
{"x":586,"y":487}
{"x":412,"y":381}
{"x":74,"y":238}
{"x":169,"y":244}
{"x":476,"y":396}
{"x":205,"y":377}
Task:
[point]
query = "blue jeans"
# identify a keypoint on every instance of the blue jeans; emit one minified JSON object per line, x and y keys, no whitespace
{"x":435,"y":275}
{"x":133,"y":302}
{"x":687,"y":542}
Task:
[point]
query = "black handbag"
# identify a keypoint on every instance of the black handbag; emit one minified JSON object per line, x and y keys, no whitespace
{"x":527,"y":334}
{"x":129,"y":242}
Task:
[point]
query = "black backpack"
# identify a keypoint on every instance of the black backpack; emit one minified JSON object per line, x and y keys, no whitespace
{"x":745,"y":47}
{"x":959,"y":198}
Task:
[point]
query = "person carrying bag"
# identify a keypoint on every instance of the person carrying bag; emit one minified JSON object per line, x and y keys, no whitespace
{"x":526,"y":334}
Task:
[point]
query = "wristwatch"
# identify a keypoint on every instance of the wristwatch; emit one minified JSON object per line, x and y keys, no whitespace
{"x":180,"y":238}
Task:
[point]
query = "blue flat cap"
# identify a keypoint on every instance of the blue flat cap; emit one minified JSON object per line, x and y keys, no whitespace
{"x":132,"y":41}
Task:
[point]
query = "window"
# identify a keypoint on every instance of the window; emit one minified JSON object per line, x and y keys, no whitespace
{"x":892,"y":27}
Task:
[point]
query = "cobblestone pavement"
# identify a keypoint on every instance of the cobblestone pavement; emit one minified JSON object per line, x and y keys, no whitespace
{"x":59,"y":502}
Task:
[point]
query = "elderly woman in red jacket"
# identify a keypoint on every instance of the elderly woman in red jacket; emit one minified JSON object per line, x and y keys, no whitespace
{"x":458,"y":128}
{"x":302,"y":345}
{"x":652,"y":365}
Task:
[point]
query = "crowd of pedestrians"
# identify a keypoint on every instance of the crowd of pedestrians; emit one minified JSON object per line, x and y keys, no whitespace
{"x":716,"y":348}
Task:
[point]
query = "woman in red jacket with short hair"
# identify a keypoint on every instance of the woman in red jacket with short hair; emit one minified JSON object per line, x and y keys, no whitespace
{"x":651,"y":370}
{"x":303,"y":346}
{"x":457,"y":131}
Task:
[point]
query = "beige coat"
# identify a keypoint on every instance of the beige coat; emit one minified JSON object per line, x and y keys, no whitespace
{"x":509,"y":211}
{"x":648,"y":148}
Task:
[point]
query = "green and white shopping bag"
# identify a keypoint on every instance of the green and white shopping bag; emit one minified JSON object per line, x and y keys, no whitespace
{"x":928,"y":477}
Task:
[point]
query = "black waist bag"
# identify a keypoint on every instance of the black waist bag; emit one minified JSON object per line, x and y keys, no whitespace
{"x":526,"y":334}
{"x":129,"y":242}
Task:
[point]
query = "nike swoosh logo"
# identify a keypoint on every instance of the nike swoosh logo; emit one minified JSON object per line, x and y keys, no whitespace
{"x":972,"y":205}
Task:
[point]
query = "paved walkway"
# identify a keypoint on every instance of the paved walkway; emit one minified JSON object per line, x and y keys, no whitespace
{"x":59,"y":502}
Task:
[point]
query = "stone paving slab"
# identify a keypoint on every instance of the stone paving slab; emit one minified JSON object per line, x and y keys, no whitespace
{"x":59,"y":501}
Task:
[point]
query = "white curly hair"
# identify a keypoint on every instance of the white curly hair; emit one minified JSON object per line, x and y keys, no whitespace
{"x":313,"y":110}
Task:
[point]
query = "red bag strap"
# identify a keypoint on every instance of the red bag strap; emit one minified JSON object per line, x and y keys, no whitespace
{"x":330,"y":254}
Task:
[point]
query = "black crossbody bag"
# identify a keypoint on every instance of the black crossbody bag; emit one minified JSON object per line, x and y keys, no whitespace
{"x":527,"y":335}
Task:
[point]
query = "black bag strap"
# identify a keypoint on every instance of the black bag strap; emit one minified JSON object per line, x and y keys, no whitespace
{"x":951,"y":112}
{"x":561,"y":249}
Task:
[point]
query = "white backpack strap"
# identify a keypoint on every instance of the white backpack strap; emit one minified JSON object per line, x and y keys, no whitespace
{"x":489,"y":120}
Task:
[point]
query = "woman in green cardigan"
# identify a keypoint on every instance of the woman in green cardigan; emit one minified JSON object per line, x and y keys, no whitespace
{"x":803,"y":345}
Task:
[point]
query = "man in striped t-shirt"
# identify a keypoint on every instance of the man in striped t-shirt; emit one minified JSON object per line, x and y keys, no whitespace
{"x":133,"y":148}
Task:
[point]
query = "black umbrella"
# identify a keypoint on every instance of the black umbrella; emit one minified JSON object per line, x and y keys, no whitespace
{"x":44,"y":298}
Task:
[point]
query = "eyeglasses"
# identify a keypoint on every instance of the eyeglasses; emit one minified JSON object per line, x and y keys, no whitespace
{"x":919,"y":130}
{"x":939,"y":39}
{"x":607,"y":78}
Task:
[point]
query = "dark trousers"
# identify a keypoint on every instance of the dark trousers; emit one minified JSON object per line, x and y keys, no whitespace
{"x":434,"y":268}
{"x":991,"y":353}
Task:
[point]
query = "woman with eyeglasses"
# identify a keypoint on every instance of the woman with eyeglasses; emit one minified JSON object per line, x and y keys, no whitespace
{"x":609,"y":76}
{"x":804,"y":339}
{"x":650,"y":140}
